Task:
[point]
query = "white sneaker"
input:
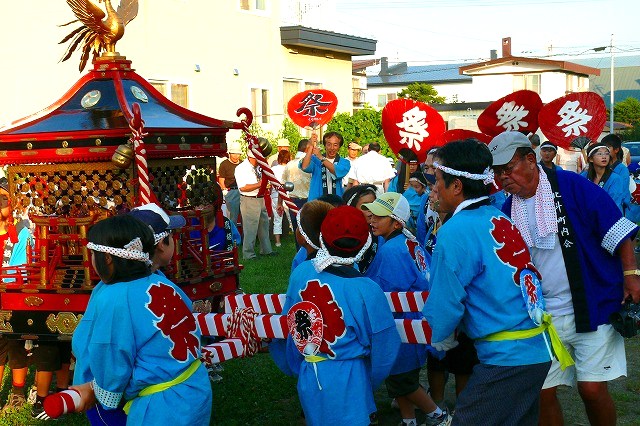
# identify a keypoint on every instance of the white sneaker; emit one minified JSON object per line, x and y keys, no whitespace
{"x":444,"y":419}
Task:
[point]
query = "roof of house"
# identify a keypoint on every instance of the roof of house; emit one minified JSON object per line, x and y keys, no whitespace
{"x":604,"y":62}
{"x":441,"y":73}
{"x":626,"y":70}
{"x":363,"y":64}
{"x":560,"y":65}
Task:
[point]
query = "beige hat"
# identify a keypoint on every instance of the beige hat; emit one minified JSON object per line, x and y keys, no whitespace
{"x":234,"y":148}
{"x":283,"y":142}
{"x":504,"y":146}
{"x":353,"y":145}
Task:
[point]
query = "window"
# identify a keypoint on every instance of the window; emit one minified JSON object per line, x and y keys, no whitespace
{"x":312,"y":86}
{"x":176,"y":92}
{"x":253,"y":5}
{"x":384,"y":99}
{"x":527,"y":82}
{"x":576,"y":83}
{"x":260,"y":104}
{"x":289,"y":90}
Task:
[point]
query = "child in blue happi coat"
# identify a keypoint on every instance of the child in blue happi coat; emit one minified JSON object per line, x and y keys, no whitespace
{"x":402,"y":265}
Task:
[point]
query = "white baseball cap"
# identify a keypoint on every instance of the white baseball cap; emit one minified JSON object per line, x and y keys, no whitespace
{"x":390,"y":204}
{"x":234,"y":148}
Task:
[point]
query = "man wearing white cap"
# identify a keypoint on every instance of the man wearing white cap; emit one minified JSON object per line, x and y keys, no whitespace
{"x":255,"y":220}
{"x":583,"y":248}
{"x":372,"y":168}
{"x":227,"y":181}
{"x":283,"y":145}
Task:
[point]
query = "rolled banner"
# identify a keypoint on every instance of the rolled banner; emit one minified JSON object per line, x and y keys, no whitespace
{"x":57,"y":404}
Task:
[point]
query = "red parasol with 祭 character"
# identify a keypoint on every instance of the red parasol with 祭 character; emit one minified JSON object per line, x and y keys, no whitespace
{"x":411,"y":128}
{"x":573,"y":116}
{"x":518,"y":111}
{"x":312,"y":108}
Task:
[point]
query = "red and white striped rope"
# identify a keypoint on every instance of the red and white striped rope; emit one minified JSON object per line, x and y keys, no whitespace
{"x":137,"y":140}
{"x":267,"y":173}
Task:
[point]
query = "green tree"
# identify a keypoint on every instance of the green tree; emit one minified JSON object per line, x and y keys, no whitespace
{"x":422,"y":92}
{"x":363,"y":126}
{"x":291,"y":132}
{"x":627,"y":111}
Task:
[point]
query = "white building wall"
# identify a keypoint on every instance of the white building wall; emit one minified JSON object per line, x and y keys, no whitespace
{"x":166,"y":41}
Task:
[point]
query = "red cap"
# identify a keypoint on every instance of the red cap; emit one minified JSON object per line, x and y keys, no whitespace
{"x":345,"y":222}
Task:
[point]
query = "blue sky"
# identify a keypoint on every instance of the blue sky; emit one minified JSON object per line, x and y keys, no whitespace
{"x":454,"y":30}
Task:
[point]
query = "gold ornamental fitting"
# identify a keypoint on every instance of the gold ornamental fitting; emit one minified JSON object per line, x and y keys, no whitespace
{"x":123,"y":156}
{"x":63,"y":323}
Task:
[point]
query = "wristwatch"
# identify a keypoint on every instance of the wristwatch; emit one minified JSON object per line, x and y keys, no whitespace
{"x":631,"y":272}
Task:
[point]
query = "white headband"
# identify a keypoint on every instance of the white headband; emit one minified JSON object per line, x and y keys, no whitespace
{"x":323,"y":259}
{"x":132,"y":250}
{"x":487,"y":177}
{"x":159,"y":237}
{"x":304,"y":235}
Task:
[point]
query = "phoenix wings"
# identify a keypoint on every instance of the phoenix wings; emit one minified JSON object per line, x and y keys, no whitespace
{"x":99,"y":30}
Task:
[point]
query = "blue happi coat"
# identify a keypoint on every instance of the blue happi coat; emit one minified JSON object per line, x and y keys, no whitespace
{"x":140,"y":333}
{"x":474,"y":287}
{"x":402,"y":265}
{"x":360,"y":343}
{"x":342,"y":167}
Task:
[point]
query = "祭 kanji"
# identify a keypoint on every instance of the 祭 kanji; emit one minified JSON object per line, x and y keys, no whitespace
{"x":332,"y":317}
{"x":511,"y":249}
{"x":573,"y":119}
{"x":414,"y":125}
{"x":176,"y":321}
{"x":531,"y":289}
{"x":510,"y":116}
{"x":312,"y":105}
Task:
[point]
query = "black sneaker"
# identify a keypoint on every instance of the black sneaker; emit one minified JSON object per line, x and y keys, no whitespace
{"x":37,"y":412}
{"x":14,"y":402}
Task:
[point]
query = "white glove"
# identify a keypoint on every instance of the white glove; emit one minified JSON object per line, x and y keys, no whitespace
{"x":447,"y":344}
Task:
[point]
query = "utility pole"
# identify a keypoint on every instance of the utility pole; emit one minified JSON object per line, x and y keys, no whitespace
{"x":611,"y":130}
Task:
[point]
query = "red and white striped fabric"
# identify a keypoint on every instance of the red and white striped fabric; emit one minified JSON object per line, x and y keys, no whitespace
{"x":222,"y":351}
{"x":414,"y":331}
{"x":272,"y":303}
{"x":270,"y":325}
{"x":410,"y":301}
{"x":261,"y":303}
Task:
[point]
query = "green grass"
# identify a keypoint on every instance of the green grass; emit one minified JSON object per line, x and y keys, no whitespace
{"x":255,"y":392}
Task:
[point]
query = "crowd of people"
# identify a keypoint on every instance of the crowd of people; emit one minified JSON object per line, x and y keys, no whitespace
{"x":524,"y":262}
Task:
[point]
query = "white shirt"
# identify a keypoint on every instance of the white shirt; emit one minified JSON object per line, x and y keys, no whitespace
{"x":301,"y":180}
{"x":246,"y":174}
{"x":371,"y":168}
{"x":550,"y":264}
{"x":277,"y":170}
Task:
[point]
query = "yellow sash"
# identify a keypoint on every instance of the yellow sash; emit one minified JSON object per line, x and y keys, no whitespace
{"x":150,"y":390}
{"x":314,"y":358}
{"x":564,"y":357}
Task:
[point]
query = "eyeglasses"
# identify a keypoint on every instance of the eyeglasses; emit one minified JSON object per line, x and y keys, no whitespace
{"x":507,"y":169}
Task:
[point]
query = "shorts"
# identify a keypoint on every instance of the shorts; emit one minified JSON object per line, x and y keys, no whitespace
{"x":403,"y":384}
{"x":499,"y":395}
{"x":49,"y":356}
{"x":459,"y":360}
{"x":599,"y":355}
{"x":14,"y":351}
